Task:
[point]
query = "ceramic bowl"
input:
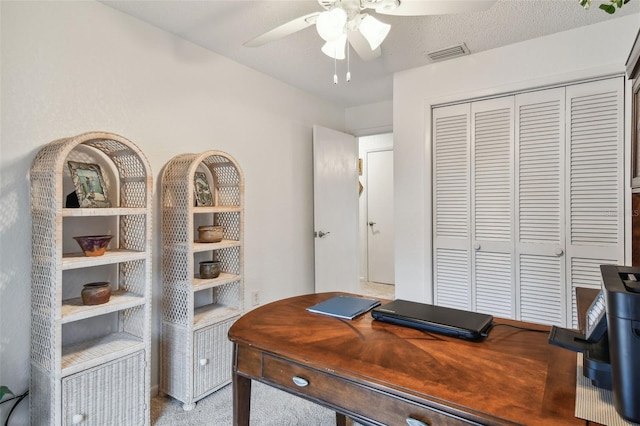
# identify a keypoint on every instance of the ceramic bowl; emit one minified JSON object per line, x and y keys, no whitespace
{"x":94,"y":245}
{"x":210,"y":234}
{"x":209,"y":269}
{"x":96,"y":293}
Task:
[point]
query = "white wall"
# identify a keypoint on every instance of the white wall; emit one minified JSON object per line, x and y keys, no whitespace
{"x":370,"y":119}
{"x":71,"y":67}
{"x":573,"y":55}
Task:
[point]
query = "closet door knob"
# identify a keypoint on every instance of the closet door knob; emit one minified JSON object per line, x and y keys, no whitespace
{"x":558,"y":251}
{"x":476,"y":246}
{"x":204,"y":361}
{"x":77,"y":419}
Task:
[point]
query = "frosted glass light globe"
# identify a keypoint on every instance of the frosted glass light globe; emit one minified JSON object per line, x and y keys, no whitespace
{"x":336,"y":48}
{"x":330,"y":24}
{"x":374,"y":31}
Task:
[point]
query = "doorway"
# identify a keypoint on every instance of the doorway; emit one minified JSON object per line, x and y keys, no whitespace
{"x":376,"y":229}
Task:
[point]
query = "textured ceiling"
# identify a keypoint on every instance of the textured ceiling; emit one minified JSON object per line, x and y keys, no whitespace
{"x":223,"y":27}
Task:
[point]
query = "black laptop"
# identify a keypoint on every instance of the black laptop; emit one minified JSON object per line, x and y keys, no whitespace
{"x":438,"y":319}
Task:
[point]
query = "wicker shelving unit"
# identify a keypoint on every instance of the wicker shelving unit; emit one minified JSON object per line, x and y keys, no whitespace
{"x":90,"y":365}
{"x":197,"y":313}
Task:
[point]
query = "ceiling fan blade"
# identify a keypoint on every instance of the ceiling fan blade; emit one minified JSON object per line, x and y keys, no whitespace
{"x":436,"y":7}
{"x":362,"y":47}
{"x":284,"y":30}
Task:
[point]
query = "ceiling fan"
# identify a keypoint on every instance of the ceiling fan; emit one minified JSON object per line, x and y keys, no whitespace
{"x":345,"y":21}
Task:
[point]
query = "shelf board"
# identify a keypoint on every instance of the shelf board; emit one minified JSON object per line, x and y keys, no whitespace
{"x":79,"y":260}
{"x":213,"y":313}
{"x":199,"y":247}
{"x":116,"y":211}
{"x":223,"y":278}
{"x":217,"y":209}
{"x":221,"y":164}
{"x":80,"y":356}
{"x":75,"y":310}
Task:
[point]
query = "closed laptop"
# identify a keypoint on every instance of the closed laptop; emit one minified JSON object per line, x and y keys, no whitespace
{"x":438,"y":319}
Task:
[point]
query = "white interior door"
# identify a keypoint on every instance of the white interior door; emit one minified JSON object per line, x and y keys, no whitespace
{"x":335,"y":200}
{"x":539,"y":213}
{"x":594,"y":206}
{"x":380,"y":231}
{"x":492,"y":206}
{"x":451,"y":200}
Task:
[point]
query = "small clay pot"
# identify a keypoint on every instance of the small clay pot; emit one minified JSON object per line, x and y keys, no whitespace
{"x":209,"y":269}
{"x":210,"y":234}
{"x":96,"y":293}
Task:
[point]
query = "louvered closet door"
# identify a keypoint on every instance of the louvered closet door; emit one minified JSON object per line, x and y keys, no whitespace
{"x":451,"y":199}
{"x":539,"y":218}
{"x":492,"y":280}
{"x":595,"y":219}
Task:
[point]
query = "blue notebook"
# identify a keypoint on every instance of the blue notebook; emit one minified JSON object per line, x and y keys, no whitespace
{"x":347,"y":307}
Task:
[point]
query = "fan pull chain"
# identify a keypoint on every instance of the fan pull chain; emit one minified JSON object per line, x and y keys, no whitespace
{"x":348,"y":67}
{"x":335,"y":70}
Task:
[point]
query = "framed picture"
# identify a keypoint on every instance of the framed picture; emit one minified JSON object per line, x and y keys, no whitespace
{"x":202,"y":191}
{"x":90,"y":187}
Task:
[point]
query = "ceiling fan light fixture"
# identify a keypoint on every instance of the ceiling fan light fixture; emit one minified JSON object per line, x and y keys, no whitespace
{"x":330,"y":24}
{"x":374,"y":31}
{"x":384,"y":5}
{"x":336,"y":48}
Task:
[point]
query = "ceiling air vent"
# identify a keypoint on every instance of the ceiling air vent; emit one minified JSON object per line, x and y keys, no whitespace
{"x":448,"y":52}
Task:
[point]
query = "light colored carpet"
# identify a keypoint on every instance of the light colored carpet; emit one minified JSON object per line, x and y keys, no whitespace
{"x":383,"y":291}
{"x":269,"y":407}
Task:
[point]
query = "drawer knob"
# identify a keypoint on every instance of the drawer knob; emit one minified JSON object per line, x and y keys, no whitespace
{"x":204,"y":361}
{"x":415,"y":422}
{"x":77,"y":419}
{"x":299,"y":381}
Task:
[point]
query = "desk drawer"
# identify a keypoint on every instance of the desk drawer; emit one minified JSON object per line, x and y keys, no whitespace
{"x":351,"y":398}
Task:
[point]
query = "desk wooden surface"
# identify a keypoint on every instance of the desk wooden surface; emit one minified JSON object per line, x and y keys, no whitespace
{"x":380,"y":373}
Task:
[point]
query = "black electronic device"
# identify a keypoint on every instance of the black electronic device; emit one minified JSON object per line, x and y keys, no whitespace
{"x":593,"y":343}
{"x":596,"y":320}
{"x":611,"y":342}
{"x":438,"y":319}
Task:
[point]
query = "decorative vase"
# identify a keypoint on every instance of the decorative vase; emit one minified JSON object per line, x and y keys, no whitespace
{"x":94,"y":245}
{"x":96,"y":293}
{"x":209,"y":269}
{"x":210,"y":233}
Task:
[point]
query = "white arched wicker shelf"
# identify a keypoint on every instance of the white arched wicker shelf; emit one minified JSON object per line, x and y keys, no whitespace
{"x":197,"y":313}
{"x":90,"y":365}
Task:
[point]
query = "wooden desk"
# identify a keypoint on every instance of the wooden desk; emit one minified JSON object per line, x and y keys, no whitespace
{"x":383,"y":374}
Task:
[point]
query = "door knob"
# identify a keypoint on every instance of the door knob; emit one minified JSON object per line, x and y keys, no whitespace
{"x":371,"y":223}
{"x":322,"y":234}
